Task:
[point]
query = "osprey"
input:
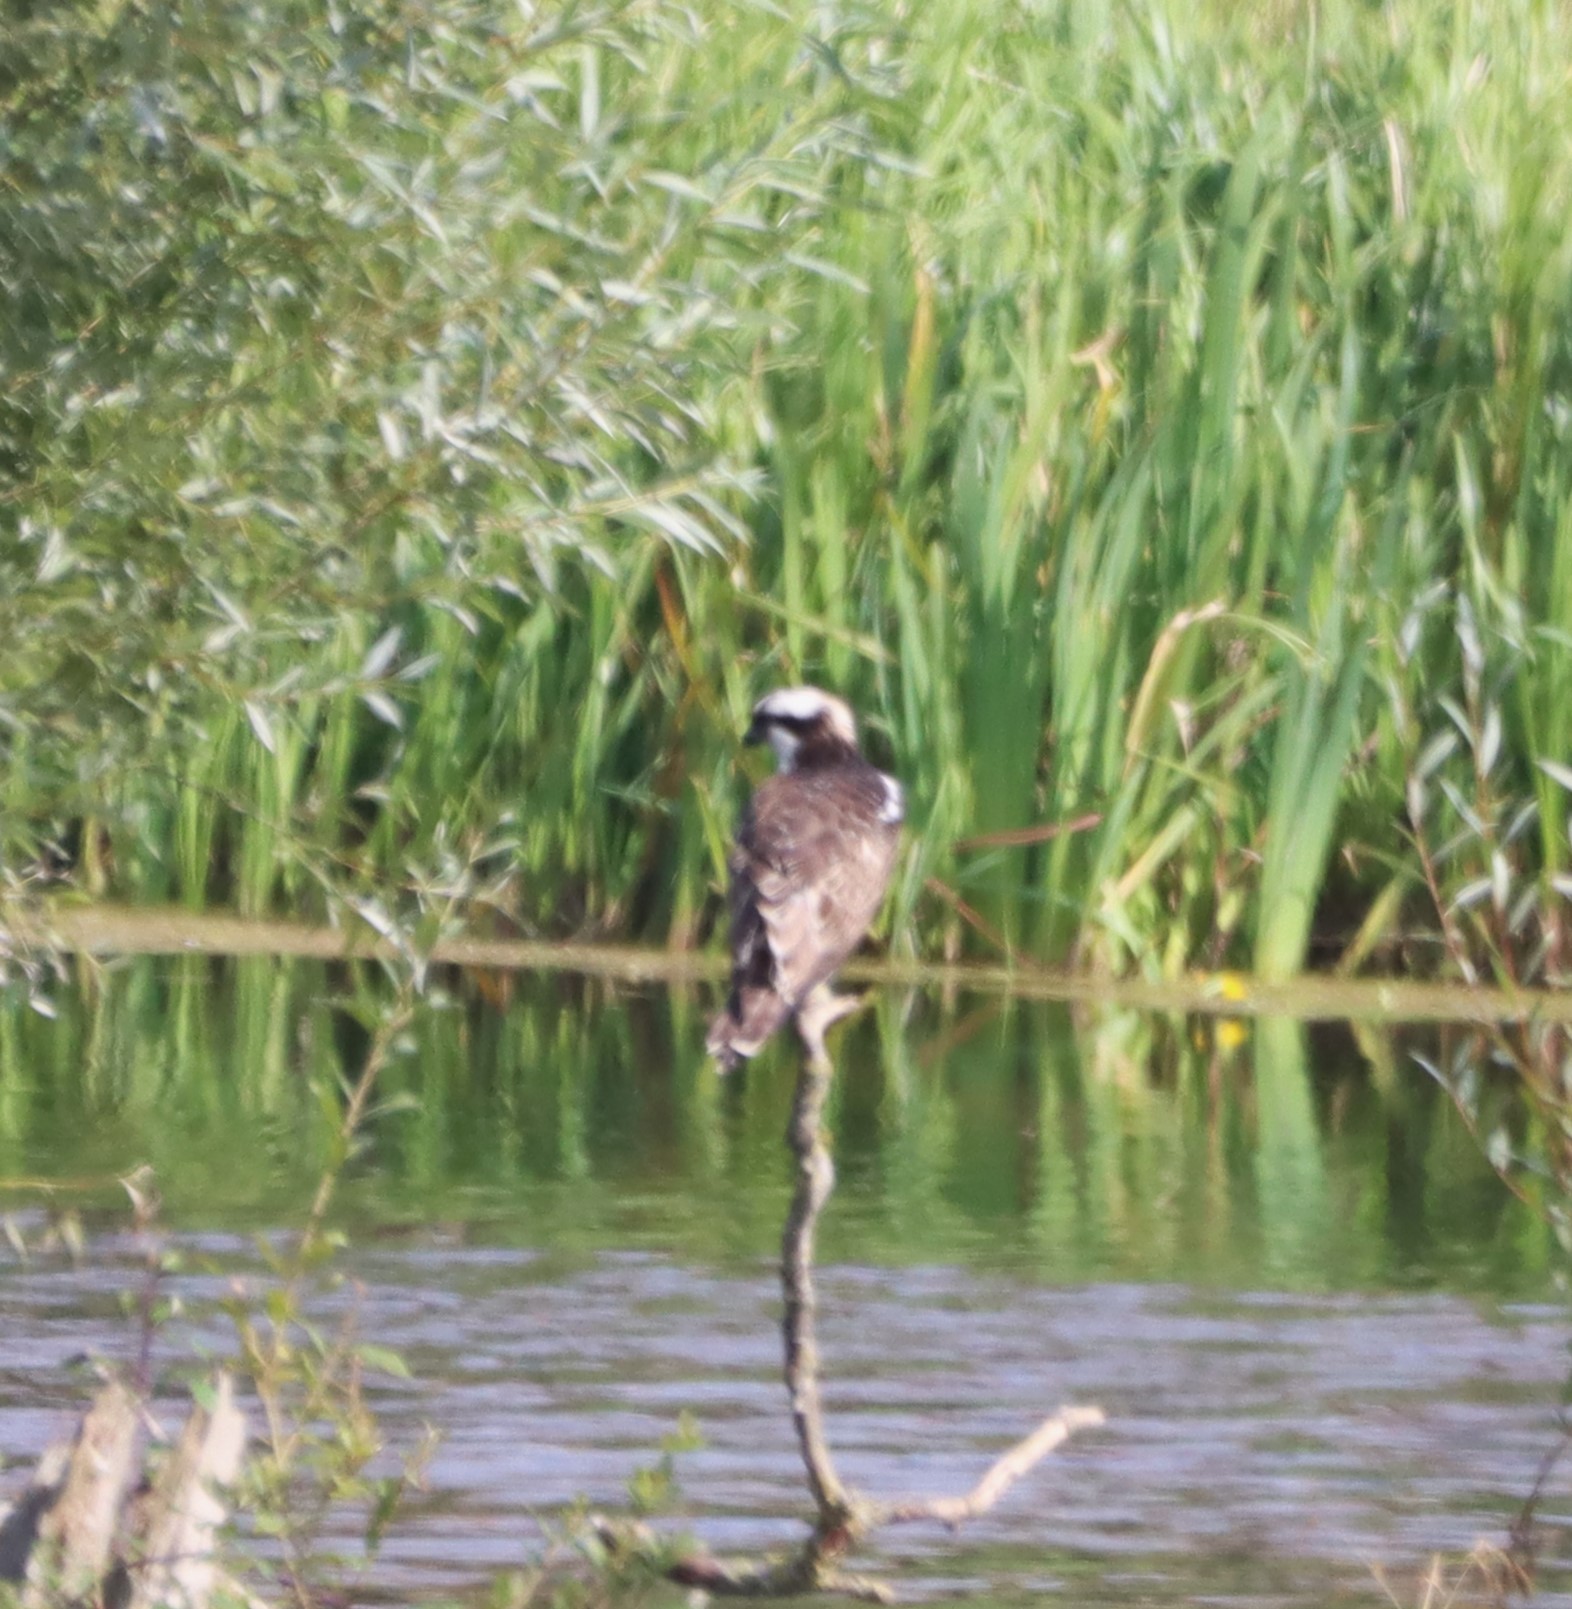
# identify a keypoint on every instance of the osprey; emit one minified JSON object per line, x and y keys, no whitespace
{"x":810,"y":867}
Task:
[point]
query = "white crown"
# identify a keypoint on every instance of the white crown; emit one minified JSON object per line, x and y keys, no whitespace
{"x":808,"y":704}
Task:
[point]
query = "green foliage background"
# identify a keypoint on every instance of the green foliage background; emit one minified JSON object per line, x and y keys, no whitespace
{"x":424,"y":431}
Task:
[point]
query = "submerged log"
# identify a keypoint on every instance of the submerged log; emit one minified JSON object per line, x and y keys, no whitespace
{"x":89,"y":1529}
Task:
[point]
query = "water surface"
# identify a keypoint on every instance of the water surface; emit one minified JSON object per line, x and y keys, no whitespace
{"x":1323,"y":1332}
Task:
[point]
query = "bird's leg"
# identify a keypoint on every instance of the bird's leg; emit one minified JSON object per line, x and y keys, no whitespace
{"x":818,"y":1014}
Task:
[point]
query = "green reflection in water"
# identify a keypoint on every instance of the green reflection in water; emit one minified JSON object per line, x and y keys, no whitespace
{"x":1063,"y":1145}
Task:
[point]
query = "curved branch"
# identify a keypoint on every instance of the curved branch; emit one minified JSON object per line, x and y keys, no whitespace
{"x":1005,"y":1471}
{"x":843,"y":1517}
{"x":815,"y":1181}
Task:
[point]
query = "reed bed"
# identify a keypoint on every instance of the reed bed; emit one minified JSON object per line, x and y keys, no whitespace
{"x":426,"y":430}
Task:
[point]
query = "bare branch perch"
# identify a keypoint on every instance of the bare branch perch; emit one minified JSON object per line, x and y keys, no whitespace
{"x":843,"y":1517}
{"x":815,"y":1181}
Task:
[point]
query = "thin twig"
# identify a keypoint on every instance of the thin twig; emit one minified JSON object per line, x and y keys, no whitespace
{"x":1005,"y":1471}
{"x":141,"y":1186}
{"x":1522,"y":1550}
{"x":377,"y":1054}
{"x":1023,"y":837}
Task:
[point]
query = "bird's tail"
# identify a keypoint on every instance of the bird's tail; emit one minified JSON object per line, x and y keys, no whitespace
{"x":750,"y":1017}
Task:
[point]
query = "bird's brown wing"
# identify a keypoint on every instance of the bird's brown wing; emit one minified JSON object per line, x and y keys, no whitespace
{"x":812,"y":862}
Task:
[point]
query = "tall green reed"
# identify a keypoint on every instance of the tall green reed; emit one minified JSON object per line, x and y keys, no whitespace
{"x":1088,"y":395}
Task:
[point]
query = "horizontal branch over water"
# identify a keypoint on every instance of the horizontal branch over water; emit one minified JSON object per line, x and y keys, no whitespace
{"x":115,"y":931}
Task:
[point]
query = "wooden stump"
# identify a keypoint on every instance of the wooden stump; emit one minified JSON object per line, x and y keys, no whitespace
{"x":90,"y":1528}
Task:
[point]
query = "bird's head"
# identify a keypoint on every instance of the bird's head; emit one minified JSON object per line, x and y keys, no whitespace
{"x":805,"y":726}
